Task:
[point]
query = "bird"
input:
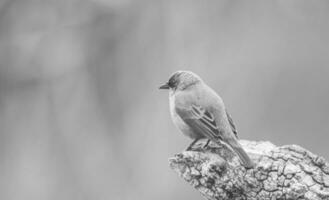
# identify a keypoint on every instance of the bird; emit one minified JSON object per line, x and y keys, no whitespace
{"x":199,"y":113}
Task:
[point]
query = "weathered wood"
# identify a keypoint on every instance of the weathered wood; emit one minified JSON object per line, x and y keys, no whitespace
{"x":287,"y":172}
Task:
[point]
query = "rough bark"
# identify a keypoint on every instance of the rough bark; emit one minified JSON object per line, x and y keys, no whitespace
{"x":287,"y":172}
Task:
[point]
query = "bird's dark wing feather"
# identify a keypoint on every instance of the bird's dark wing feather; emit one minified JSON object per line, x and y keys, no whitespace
{"x":201,"y":120}
{"x":232,"y":124}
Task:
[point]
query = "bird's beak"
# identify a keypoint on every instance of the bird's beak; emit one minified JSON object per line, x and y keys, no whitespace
{"x":164,"y":86}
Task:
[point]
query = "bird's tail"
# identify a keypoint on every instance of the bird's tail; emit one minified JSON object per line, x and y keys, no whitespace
{"x":241,"y":153}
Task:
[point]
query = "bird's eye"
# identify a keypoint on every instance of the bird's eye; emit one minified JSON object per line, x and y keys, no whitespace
{"x":174,"y":80}
{"x":172,"y":83}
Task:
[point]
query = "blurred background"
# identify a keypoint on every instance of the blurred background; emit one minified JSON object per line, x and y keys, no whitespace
{"x":80,"y":113}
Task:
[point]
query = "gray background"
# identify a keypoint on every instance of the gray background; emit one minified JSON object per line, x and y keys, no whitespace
{"x":80,"y":113}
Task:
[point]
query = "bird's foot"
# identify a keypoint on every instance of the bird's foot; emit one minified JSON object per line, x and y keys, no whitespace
{"x":207,"y":143}
{"x":189,"y":148}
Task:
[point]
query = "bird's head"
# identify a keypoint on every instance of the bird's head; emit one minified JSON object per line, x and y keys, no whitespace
{"x":181,"y":80}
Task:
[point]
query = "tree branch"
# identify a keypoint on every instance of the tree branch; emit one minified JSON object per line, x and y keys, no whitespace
{"x":287,"y":172}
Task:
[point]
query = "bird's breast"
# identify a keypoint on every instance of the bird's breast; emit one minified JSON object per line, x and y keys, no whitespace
{"x":179,"y":123}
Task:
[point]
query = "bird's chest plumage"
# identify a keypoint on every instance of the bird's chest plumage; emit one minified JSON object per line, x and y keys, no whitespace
{"x":180,"y":124}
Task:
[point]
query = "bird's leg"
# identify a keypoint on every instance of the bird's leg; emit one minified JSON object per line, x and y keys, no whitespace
{"x":191,"y":145}
{"x":206,"y":145}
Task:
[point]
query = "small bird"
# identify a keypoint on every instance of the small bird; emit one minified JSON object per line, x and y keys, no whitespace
{"x":199,"y":112}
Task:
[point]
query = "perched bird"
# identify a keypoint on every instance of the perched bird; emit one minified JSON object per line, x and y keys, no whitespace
{"x":199,"y":112}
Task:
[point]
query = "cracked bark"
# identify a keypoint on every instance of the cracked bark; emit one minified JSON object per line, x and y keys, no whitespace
{"x":287,"y":172}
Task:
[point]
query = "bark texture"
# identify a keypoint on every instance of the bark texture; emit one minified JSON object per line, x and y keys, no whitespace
{"x":286,"y":172}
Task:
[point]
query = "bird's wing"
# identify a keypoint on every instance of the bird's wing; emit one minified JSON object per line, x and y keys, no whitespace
{"x":232,"y":124}
{"x":201,"y":120}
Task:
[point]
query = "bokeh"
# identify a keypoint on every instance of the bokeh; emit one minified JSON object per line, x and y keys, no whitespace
{"x":80,"y":113}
